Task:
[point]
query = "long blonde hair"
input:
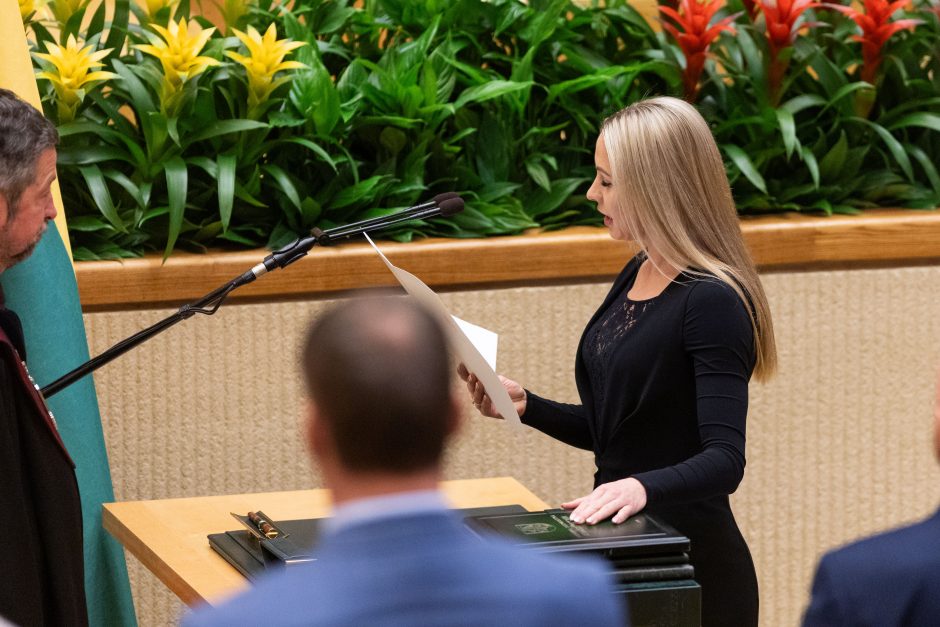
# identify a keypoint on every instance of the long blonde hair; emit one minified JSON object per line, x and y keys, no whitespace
{"x":674,"y":197}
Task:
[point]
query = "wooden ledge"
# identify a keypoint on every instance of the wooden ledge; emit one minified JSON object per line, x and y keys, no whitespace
{"x":777,"y":242}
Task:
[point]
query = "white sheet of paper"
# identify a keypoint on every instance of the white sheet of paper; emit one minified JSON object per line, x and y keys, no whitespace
{"x":483,"y":340}
{"x":460,"y":333}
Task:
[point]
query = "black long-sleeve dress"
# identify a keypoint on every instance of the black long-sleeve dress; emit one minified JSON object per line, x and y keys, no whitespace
{"x":663,"y":386}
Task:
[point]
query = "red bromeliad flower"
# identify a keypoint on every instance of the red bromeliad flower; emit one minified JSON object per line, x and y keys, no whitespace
{"x":876,"y":30}
{"x":751,"y":8}
{"x":696,"y":36}
{"x":783,"y":20}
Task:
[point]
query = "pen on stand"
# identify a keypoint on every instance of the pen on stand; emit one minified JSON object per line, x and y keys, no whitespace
{"x":263,"y":525}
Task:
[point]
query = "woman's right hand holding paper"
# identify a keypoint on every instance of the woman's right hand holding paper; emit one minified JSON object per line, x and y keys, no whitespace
{"x":481,"y":399}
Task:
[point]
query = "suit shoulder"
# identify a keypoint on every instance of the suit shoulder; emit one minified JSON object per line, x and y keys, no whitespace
{"x":905,"y":558}
{"x":916,"y":542}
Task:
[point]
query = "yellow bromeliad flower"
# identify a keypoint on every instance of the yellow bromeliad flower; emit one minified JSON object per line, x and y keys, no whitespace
{"x":27,"y":9}
{"x":73,"y":73}
{"x":178,"y":52}
{"x":232,"y":11}
{"x":265,"y":59}
{"x":62,"y":10}
{"x":153,"y":6}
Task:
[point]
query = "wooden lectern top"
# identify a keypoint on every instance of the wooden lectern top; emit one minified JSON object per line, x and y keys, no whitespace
{"x":169,"y":536}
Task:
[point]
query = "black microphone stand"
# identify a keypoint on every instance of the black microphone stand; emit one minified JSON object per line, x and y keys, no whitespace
{"x":441,"y":205}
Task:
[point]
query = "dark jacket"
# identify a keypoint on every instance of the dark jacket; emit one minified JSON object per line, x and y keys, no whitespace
{"x":41,"y":543}
{"x":892,"y":579}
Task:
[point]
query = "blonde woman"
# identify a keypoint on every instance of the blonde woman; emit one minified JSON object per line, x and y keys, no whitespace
{"x":663,"y":367}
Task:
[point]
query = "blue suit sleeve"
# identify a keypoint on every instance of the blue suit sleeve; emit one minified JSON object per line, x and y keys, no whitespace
{"x":562,"y":421}
{"x":718,"y":338}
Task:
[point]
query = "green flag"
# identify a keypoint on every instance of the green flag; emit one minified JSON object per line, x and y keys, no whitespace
{"x":43,"y":291}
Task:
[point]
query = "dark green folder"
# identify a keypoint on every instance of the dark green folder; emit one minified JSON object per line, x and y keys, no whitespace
{"x":553,"y":531}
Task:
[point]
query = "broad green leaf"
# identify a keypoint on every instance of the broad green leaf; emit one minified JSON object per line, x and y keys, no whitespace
{"x":745,"y":165}
{"x":316,"y":149}
{"x":117,"y":29}
{"x":755,"y":61}
{"x":549,"y":16}
{"x":364,"y":190}
{"x":129,"y":186}
{"x":587,"y":81}
{"x":828,"y":74}
{"x":496,"y":191}
{"x":98,"y":188}
{"x":157,"y":134}
{"x":226,"y":187}
{"x":543,"y":202}
{"x":490,"y":90}
{"x":832,"y":162}
{"x":332,"y":18}
{"x":392,"y":120}
{"x":538,"y":174}
{"x":88,"y":224}
{"x":106,"y":134}
{"x":844,"y":91}
{"x":812,"y":165}
{"x":223,"y":127}
{"x":140,"y":96}
{"x":393,"y":139}
{"x":787,"y":130}
{"x":922,"y":119}
{"x":86,"y":155}
{"x":894,"y":146}
{"x":177,"y":182}
{"x":804,"y":101}
{"x":172,"y":130}
{"x":285,"y":184}
{"x":929,"y":167}
{"x":823,"y":205}
{"x":511,"y":14}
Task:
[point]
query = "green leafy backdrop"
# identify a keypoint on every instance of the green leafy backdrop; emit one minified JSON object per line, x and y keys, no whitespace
{"x":497,"y":100}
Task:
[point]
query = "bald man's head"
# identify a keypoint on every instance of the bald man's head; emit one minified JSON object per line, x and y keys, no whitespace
{"x":378,"y":373}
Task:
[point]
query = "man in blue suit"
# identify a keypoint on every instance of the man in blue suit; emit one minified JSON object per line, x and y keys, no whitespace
{"x":892,"y":579}
{"x":381,"y":410}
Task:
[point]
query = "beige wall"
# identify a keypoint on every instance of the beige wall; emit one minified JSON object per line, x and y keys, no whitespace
{"x":838,"y":443}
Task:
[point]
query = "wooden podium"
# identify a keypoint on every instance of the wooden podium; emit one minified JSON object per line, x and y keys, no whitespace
{"x":169,"y":536}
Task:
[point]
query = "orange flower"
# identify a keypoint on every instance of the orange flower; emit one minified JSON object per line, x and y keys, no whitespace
{"x":876,"y":30}
{"x":696,"y":36}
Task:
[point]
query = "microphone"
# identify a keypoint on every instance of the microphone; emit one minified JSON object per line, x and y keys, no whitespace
{"x":451,"y":206}
{"x":445,"y":205}
{"x":441,"y":205}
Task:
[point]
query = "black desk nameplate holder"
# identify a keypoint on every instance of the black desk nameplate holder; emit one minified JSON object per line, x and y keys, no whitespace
{"x":277,"y":549}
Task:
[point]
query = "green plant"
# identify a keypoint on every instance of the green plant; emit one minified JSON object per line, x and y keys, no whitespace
{"x":802,"y":130}
{"x":342,"y":111}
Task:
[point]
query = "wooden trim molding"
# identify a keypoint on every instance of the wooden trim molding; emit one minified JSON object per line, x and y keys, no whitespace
{"x":777,"y":242}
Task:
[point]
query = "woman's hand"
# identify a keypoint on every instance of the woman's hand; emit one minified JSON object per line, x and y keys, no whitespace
{"x":482,"y":401}
{"x":620,"y":499}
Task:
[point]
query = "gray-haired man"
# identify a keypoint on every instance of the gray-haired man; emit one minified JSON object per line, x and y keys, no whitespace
{"x":41,"y":546}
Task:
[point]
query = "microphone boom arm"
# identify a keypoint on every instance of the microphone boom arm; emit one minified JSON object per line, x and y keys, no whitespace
{"x":442,"y":204}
